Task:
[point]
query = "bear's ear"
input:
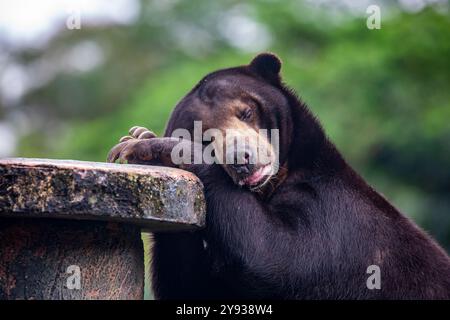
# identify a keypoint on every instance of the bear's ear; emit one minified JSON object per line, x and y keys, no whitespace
{"x":267,"y":65}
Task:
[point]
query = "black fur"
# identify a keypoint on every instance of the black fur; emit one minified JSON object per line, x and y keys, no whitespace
{"x":312,"y":237}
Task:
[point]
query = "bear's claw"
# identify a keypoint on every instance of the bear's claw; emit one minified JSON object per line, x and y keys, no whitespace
{"x":141,"y":133}
{"x":124,"y":150}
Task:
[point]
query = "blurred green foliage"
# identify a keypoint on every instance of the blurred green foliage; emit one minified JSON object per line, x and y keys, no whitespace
{"x":383,"y":96}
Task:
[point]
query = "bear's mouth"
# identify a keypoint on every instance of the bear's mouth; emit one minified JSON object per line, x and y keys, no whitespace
{"x":254,"y":180}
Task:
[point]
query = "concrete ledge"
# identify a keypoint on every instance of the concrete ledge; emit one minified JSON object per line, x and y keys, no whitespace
{"x":154,"y":198}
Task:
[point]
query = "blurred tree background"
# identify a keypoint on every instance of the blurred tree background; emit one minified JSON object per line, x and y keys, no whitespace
{"x":383,"y":96}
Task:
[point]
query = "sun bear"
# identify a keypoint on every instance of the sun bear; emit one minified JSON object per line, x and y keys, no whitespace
{"x":304,"y":227}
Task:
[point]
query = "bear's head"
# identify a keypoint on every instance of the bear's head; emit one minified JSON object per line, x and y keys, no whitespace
{"x":246,"y":118}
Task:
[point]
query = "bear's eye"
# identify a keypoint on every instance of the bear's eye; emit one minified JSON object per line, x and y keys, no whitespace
{"x":246,"y":115}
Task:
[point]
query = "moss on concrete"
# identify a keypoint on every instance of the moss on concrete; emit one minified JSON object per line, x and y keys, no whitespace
{"x":156,"y":198}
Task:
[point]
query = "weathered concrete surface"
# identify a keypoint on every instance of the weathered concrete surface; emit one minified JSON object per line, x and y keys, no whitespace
{"x":155,"y":198}
{"x":70,"y":260}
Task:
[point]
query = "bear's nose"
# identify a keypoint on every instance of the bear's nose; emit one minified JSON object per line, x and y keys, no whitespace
{"x":242,"y":163}
{"x":241,"y":168}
